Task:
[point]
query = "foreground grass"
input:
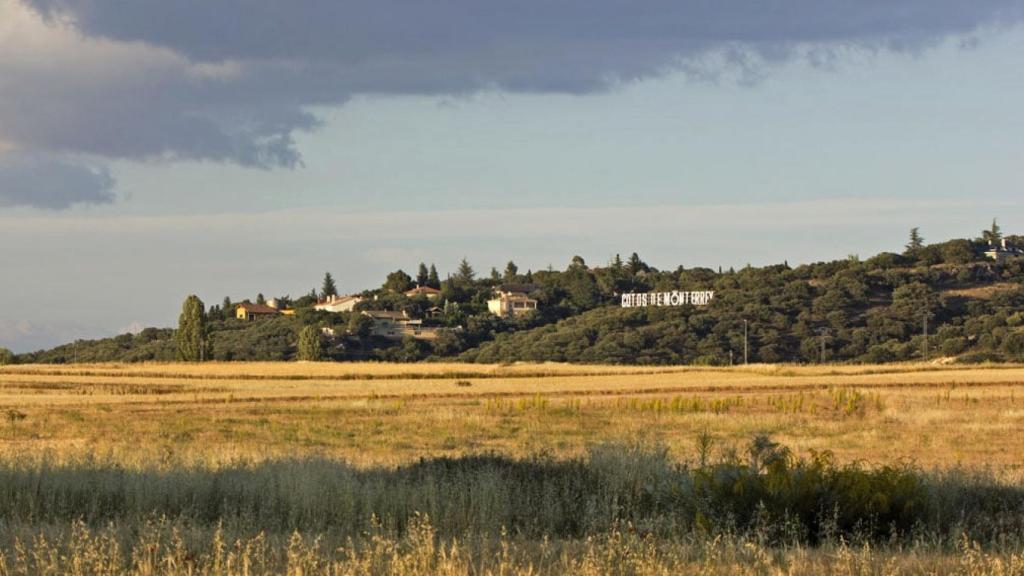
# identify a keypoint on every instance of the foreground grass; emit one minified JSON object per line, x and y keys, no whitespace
{"x":622,"y":510}
{"x":163,"y":549}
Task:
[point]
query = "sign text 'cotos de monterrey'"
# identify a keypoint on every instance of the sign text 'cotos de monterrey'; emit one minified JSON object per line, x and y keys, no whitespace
{"x":674,"y":298}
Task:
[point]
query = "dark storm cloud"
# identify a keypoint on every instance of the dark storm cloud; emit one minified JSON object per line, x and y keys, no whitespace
{"x":51,"y":184}
{"x":526,"y":45}
{"x":231,"y":80}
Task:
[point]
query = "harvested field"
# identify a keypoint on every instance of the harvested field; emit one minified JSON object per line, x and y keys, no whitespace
{"x":373,"y":414}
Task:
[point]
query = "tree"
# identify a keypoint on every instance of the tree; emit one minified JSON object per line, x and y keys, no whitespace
{"x":433,"y":280}
{"x":422,"y":275}
{"x":916,"y":241}
{"x":511,"y":272}
{"x":226,"y":310}
{"x":994,"y":234}
{"x":616,"y":264}
{"x":398,"y":281}
{"x":192,"y":337}
{"x":465,"y":273}
{"x":360,"y":325}
{"x":310,"y":348}
{"x":635,"y":265}
{"x":260,"y":299}
{"x":328,"y":288}
{"x":956,"y":252}
{"x":6,"y":357}
{"x":495,"y":275}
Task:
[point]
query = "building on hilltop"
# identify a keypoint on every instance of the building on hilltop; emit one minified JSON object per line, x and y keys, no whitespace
{"x":430,"y":293}
{"x":1003,"y":250}
{"x":338,"y":304}
{"x":512,"y":300}
{"x":398,"y":325}
{"x":249,"y":312}
{"x":280,"y":307}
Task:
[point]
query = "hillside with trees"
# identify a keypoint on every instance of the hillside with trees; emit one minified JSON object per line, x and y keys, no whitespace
{"x":970,"y":305}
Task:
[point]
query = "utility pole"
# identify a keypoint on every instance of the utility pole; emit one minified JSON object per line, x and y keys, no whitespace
{"x":745,"y":341}
{"x":822,"y":335}
{"x":924,"y":352}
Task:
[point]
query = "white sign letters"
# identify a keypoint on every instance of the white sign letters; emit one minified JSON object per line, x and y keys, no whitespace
{"x":674,"y":298}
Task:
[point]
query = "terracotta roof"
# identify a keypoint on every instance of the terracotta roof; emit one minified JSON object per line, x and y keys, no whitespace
{"x":422,"y":290}
{"x":257,"y":308}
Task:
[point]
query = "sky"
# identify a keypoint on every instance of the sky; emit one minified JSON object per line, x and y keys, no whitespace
{"x":153,"y":149}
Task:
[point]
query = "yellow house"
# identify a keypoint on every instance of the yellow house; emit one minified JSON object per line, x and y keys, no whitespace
{"x":249,"y":312}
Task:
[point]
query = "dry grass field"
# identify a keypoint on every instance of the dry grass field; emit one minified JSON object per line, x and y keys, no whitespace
{"x":253,"y":468}
{"x":368,"y":414}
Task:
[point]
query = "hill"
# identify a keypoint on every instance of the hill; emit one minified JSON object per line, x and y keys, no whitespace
{"x":874,"y":310}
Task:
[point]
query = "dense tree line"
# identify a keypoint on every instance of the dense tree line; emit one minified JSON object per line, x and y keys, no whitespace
{"x":874,"y":310}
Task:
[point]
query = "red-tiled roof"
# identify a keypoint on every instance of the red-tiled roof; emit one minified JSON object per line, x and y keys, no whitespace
{"x":257,"y":308}
{"x":422,"y":290}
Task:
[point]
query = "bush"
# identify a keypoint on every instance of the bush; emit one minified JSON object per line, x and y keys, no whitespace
{"x":772,"y":494}
{"x":981,"y":357}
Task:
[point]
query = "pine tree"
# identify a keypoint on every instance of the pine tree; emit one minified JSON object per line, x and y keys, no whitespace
{"x":495,"y":275}
{"x":328,"y":288}
{"x":192,"y":337}
{"x":422,"y":275}
{"x":310,"y":348}
{"x":511,"y":272}
{"x":260,"y":299}
{"x":635,"y":265}
{"x":226,"y":309}
{"x":465,"y":273}
{"x":993,"y":235}
{"x":433,"y":280}
{"x":916,"y":241}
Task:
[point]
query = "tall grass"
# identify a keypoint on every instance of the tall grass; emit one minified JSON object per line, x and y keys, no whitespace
{"x":164,"y":548}
{"x":803,"y":500}
{"x":619,"y":509}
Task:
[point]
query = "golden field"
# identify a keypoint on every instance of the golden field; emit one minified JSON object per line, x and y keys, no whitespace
{"x":368,"y":414}
{"x":272,"y":468}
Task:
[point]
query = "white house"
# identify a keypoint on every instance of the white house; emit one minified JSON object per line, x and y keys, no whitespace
{"x":1000,"y":252}
{"x":338,"y":304}
{"x":397,"y":325}
{"x":512,"y":300}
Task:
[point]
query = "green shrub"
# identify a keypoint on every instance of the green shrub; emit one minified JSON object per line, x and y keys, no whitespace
{"x":772,"y":494}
